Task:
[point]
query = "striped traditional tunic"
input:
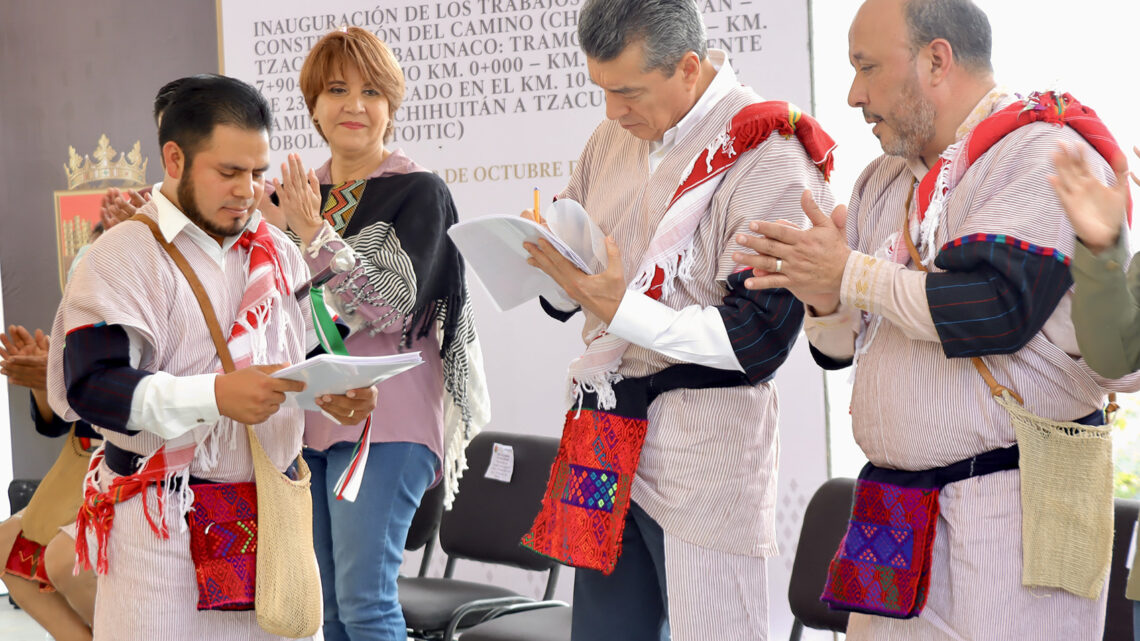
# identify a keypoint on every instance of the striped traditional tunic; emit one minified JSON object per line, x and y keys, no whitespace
{"x":913,"y":408}
{"x":150,"y":592}
{"x":708,"y":468}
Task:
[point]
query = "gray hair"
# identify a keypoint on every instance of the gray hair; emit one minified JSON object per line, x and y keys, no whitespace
{"x":668,"y":29}
{"x":959,"y":22}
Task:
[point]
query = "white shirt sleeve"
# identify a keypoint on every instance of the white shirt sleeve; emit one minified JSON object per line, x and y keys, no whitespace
{"x":169,"y":405}
{"x":693,"y":334}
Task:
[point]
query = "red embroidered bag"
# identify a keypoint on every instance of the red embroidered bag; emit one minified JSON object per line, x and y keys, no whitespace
{"x":587,"y":497}
{"x":223,"y":544}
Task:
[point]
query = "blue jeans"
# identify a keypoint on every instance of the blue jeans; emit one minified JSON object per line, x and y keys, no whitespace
{"x":360,"y":545}
{"x":630,"y":604}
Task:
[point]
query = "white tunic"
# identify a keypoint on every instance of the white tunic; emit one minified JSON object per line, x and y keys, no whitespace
{"x":127,"y":279}
{"x":707,"y":472}
{"x":913,"y":408}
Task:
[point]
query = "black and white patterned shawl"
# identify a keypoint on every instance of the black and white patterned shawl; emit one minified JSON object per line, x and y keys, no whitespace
{"x":399,"y":223}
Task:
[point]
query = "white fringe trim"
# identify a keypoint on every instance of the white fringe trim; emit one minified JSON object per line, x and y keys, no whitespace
{"x":258,"y":339}
{"x":927,"y":239}
{"x":455,"y":457}
{"x":723,"y":143}
{"x":207,"y":451}
{"x":456,"y":434}
{"x":180,"y":502}
{"x":601,"y":384}
{"x":175,"y":504}
{"x":675,"y":266}
{"x":863,"y":342}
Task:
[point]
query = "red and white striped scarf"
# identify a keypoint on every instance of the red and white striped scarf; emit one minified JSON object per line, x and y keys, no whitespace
{"x":247,"y":342}
{"x":263,"y":291}
{"x":670,"y":250}
{"x":1040,"y":106}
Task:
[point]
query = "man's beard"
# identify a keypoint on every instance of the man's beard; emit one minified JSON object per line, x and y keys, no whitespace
{"x":190,"y":207}
{"x":912,"y":121}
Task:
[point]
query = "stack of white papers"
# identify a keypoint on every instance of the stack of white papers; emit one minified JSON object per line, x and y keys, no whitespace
{"x":332,"y":374}
{"x":493,"y":247}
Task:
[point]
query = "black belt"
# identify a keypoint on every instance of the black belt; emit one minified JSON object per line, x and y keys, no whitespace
{"x":126,"y":463}
{"x":635,"y":395}
{"x":999,"y":460}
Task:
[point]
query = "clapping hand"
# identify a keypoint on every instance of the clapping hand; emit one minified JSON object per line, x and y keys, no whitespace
{"x":299,"y":193}
{"x":23,"y":357}
{"x":118,"y":206}
{"x":1095,"y":210}
{"x":807,"y":262}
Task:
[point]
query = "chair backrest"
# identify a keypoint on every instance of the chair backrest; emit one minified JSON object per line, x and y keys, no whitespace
{"x":1118,"y":620}
{"x":489,"y":517}
{"x":425,"y":522}
{"x":825,"y":522}
{"x":20,"y":493}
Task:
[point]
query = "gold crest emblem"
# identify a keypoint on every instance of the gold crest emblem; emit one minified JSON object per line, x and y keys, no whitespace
{"x":77,"y":208}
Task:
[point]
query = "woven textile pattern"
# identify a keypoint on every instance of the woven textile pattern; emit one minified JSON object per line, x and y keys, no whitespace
{"x":223,"y":545}
{"x":587,"y":496}
{"x":590,"y":488}
{"x":341,"y":203}
{"x":883,"y":564}
{"x":26,"y":560}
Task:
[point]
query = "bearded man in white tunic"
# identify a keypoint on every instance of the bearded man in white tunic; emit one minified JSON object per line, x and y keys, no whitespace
{"x":139,"y":364}
{"x":954,"y":263}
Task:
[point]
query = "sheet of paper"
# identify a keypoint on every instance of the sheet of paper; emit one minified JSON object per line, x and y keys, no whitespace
{"x":502,"y":465}
{"x":568,"y":220}
{"x":493,"y":247}
{"x":332,"y":374}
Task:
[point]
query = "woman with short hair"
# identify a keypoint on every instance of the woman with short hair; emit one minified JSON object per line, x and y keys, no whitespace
{"x":372,"y":225}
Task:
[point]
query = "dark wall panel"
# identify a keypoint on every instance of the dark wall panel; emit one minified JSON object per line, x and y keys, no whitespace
{"x":69,"y":72}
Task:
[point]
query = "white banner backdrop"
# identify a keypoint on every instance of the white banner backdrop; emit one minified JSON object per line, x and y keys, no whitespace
{"x":499,"y":102}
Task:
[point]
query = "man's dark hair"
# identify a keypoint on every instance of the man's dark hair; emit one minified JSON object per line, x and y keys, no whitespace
{"x":668,"y":29}
{"x":164,"y":95}
{"x":200,"y":103}
{"x":959,"y":22}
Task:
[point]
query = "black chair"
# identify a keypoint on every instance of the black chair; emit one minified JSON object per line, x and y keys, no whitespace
{"x":20,"y":491}
{"x":1118,"y":620}
{"x":539,"y":621}
{"x":825,"y":523}
{"x":425,"y":525}
{"x":485,"y":524}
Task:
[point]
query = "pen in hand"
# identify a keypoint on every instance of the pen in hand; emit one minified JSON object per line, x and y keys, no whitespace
{"x":537,"y":215}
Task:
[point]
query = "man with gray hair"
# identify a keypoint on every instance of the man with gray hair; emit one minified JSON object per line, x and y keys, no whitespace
{"x":953,"y":281}
{"x":663,"y":494}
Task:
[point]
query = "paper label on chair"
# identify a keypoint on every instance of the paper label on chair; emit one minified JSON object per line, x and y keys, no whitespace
{"x":502,"y":465}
